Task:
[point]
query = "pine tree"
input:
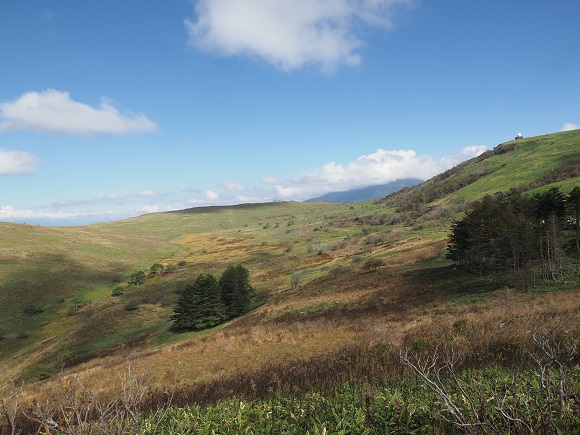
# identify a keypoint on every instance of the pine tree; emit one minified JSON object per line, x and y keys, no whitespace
{"x":200,"y":305}
{"x":550,"y":214}
{"x":236,"y":290}
{"x":573,"y":201}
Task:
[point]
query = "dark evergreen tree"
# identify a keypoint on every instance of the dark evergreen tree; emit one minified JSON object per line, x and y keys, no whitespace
{"x":573,"y":201}
{"x":552,"y":202}
{"x":236,"y":290}
{"x":514,"y":235}
{"x":459,"y":242}
{"x":200,"y":305}
{"x":550,"y":214}
{"x":474,"y":240}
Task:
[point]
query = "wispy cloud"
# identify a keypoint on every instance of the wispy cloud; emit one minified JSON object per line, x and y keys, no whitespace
{"x":10,"y":213}
{"x":17,"y":162}
{"x":52,"y":111}
{"x":108,"y":198}
{"x":291,"y":34}
{"x":147,"y":193}
{"x":568,"y":126}
{"x":231,"y":186}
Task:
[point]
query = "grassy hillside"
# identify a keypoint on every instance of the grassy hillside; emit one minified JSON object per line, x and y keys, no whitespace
{"x":57,"y":312}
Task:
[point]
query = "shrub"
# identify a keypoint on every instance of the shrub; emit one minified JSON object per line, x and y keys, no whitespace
{"x":117,"y":291}
{"x":156,"y":268}
{"x":32,"y":310}
{"x":373,"y":264}
{"x":132,"y":305}
{"x":137,"y":278}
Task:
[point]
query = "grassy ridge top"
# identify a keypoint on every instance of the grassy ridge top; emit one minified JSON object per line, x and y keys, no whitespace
{"x":522,"y":163}
{"x":67,"y":274}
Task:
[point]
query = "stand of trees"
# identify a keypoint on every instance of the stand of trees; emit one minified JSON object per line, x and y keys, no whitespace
{"x":517,"y":235}
{"x":209,"y":301}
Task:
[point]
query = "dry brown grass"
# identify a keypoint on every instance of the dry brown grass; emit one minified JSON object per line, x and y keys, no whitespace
{"x":337,"y":306}
{"x":390,"y":307}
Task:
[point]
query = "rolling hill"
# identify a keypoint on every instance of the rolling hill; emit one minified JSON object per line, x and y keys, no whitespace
{"x":315,"y":298}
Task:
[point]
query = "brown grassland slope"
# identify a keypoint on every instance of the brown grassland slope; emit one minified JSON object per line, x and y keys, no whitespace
{"x":314,"y":296}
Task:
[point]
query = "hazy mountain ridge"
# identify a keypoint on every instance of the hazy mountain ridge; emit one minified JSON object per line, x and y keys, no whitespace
{"x":367,"y":193}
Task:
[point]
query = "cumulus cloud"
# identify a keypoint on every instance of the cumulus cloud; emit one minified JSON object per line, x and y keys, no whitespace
{"x":380,"y":167}
{"x":568,"y":126}
{"x":17,"y":162}
{"x":52,"y":111}
{"x":473,"y":151}
{"x":209,"y":197}
{"x":290,"y":34}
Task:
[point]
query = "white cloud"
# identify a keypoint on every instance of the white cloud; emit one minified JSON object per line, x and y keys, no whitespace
{"x":290,"y":34}
{"x":473,"y":151}
{"x":148,"y":209}
{"x":270,"y":180}
{"x":211,"y":195}
{"x":113,"y":197}
{"x":568,"y":126}
{"x":231,"y":186}
{"x":52,"y":111}
{"x":147,"y":193}
{"x":109,"y":198}
{"x":8,"y":212}
{"x":17,"y":162}
{"x":246,"y":199}
{"x":379,"y":167}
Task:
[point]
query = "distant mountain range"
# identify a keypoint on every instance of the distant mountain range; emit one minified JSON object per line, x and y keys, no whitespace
{"x":366,"y":193}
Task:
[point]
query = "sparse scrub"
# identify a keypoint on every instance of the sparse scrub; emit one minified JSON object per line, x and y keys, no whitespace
{"x":359,"y":389}
{"x":73,"y":408}
{"x":296,"y":279}
{"x":540,"y":398}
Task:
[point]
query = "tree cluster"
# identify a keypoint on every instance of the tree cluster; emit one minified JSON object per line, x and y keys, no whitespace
{"x":210,"y":301}
{"x":518,"y":235}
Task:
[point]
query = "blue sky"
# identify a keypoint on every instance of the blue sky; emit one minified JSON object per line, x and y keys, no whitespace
{"x":112,"y":109}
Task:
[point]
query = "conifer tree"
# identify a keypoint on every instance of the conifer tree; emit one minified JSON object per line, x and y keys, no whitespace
{"x":573,"y":201}
{"x":236,"y":290}
{"x":200,"y":305}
